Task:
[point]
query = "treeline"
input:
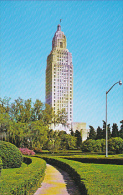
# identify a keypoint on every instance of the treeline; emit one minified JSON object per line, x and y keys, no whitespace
{"x":115,"y":145}
{"x":27,"y":124}
{"x":96,"y":139}
{"x":100,"y":133}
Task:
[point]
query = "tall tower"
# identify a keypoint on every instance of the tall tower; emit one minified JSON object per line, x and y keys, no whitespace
{"x":59,"y":76}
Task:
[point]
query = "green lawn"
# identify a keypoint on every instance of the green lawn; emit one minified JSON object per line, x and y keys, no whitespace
{"x":78,"y":154}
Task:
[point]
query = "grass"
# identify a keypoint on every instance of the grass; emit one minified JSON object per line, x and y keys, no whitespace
{"x":98,"y":178}
{"x":23,"y":180}
{"x":78,"y":154}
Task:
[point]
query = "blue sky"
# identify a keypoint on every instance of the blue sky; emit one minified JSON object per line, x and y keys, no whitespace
{"x":94,"y":37}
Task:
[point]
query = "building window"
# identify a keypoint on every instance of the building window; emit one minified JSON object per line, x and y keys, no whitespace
{"x":61,"y":45}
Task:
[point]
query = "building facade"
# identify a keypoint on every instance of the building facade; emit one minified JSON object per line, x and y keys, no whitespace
{"x":59,"y":84}
{"x":59,"y":76}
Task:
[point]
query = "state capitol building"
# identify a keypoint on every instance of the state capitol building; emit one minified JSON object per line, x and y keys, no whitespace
{"x":59,"y":82}
{"x":59,"y":76}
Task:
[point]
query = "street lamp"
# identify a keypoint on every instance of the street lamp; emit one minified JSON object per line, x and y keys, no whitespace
{"x":120,"y":83}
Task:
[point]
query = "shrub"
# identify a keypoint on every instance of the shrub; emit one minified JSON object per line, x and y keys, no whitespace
{"x":37,"y":150}
{"x":87,"y":146}
{"x":10,"y":154}
{"x":26,"y":151}
{"x":93,"y":145}
{"x":116,"y":145}
{"x":0,"y":165}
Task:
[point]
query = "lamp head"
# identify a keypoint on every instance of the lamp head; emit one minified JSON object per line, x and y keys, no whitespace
{"x":120,"y":82}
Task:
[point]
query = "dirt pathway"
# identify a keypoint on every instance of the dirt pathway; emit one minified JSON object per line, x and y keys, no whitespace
{"x":57,"y":182}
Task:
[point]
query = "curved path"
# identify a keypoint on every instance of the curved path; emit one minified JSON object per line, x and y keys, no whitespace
{"x":57,"y":182}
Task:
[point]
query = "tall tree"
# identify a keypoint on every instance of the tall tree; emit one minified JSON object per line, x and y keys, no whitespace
{"x":38,"y":134}
{"x":27,"y":110}
{"x":48,"y":114}
{"x":99,"y":133}
{"x":4,"y":117}
{"x":92,"y":133}
{"x":121,"y":130}
{"x":78,"y":138}
{"x":72,"y":132}
{"x":114,"y":130}
{"x":17,"y":110}
{"x":104,"y":129}
{"x":37,"y":110}
{"x":108,"y":130}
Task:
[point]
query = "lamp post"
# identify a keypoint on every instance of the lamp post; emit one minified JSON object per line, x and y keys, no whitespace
{"x":120,"y":83}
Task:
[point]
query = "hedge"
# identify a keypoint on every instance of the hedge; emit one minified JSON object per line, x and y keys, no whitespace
{"x":0,"y":165}
{"x":10,"y":154}
{"x":24,"y":180}
{"x":98,"y":160}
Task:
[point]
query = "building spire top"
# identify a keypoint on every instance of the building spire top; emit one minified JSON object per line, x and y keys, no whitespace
{"x":59,"y":27}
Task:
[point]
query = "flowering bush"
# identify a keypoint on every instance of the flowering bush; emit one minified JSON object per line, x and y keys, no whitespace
{"x":26,"y":151}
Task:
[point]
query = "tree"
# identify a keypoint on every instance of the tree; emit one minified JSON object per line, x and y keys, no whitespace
{"x":109,"y":131}
{"x":114,"y":130}
{"x":27,"y":110}
{"x":37,"y":110}
{"x":78,"y":139}
{"x":61,"y":117}
{"x":121,"y":130}
{"x":99,"y":133}
{"x":116,"y":145}
{"x":48,"y":115}
{"x":87,"y":145}
{"x":72,"y":132}
{"x":92,"y":133}
{"x":4,"y":118}
{"x":70,"y":141}
{"x":17,"y":110}
{"x":38,"y":134}
{"x":104,"y":130}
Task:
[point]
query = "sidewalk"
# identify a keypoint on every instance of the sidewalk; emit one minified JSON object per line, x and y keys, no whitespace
{"x":57,"y":182}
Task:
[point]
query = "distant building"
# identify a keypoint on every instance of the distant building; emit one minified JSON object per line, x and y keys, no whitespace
{"x":81,"y":127}
{"x":59,"y":83}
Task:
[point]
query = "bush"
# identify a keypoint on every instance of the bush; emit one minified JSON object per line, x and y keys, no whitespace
{"x":88,"y":145}
{"x":93,"y":145}
{"x":10,"y":154}
{"x":26,"y":151}
{"x":116,"y":145}
{"x":37,"y":150}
